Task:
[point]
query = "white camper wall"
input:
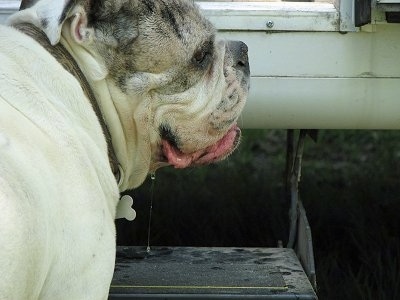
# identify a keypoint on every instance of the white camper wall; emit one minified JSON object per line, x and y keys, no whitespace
{"x":307,"y":74}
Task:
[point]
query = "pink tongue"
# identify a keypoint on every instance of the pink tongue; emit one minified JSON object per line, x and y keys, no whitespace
{"x":212,"y":153}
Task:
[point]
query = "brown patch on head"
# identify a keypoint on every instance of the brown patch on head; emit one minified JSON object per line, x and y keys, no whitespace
{"x":152,"y":36}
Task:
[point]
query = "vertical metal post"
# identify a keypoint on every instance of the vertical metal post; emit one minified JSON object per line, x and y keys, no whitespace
{"x":295,"y":175}
{"x":347,"y":15}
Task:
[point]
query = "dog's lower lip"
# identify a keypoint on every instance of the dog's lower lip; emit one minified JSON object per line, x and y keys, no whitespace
{"x":174,"y":156}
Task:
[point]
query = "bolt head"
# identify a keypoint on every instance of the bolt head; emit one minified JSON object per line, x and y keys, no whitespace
{"x":270,"y":24}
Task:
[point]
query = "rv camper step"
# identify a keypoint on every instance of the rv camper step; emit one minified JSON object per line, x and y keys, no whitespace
{"x":209,"y":273}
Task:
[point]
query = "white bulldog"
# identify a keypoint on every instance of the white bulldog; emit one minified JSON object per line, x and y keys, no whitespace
{"x":94,"y":95}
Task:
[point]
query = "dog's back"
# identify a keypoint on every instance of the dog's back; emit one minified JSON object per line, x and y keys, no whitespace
{"x":56,"y":187}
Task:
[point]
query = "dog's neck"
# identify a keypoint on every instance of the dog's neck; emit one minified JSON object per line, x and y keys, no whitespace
{"x":126,"y":116}
{"x":66,"y":60}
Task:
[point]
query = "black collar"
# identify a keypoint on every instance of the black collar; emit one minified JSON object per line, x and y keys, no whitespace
{"x":67,"y":61}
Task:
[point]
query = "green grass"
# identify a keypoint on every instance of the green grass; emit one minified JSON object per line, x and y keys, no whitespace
{"x":350,"y":188}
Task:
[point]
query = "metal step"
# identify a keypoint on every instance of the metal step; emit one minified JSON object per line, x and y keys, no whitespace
{"x":209,"y":273}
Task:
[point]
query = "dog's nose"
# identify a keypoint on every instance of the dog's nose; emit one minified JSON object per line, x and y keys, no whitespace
{"x":239,"y":52}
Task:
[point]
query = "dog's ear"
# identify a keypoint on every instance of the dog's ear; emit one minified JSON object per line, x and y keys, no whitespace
{"x":80,"y":31}
{"x":50,"y":15}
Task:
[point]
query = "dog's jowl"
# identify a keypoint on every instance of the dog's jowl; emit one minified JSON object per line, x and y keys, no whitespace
{"x":94,"y":95}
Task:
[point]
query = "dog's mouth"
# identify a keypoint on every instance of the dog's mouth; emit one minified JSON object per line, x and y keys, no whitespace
{"x":216,"y":152}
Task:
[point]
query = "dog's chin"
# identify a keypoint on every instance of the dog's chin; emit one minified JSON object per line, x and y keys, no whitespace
{"x":172,"y":155}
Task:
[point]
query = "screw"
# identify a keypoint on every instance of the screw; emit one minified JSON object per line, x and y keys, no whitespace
{"x":270,"y":24}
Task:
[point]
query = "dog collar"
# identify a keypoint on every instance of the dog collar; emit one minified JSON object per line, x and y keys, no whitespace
{"x":67,"y":61}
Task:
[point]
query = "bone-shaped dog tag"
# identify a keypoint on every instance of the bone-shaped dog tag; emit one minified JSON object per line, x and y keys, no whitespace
{"x":124,"y":208}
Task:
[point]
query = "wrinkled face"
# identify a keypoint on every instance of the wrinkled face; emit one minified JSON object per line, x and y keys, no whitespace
{"x":191,"y":87}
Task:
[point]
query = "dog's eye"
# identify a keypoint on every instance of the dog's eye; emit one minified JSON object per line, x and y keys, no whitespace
{"x":201,"y":57}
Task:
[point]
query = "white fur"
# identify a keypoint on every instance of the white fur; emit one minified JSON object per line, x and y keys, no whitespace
{"x":58,"y":196}
{"x":57,"y":192}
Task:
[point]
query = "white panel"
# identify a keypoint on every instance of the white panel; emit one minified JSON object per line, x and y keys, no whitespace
{"x":281,"y":16}
{"x":388,"y":1}
{"x":323,"y":54}
{"x":323,"y":79}
{"x":323,"y":103}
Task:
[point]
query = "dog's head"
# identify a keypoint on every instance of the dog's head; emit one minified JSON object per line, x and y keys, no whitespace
{"x":174,"y":90}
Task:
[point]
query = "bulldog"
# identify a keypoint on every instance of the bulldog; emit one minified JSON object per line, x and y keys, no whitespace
{"x":95,"y":95}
